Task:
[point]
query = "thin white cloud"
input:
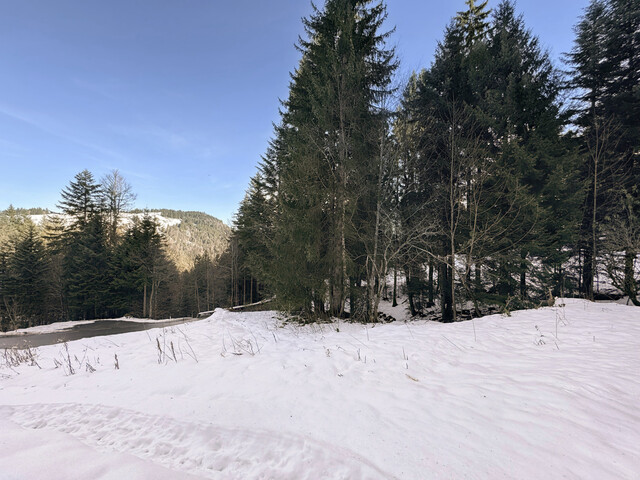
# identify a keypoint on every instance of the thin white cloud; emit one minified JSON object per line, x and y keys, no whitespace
{"x":190,"y":143}
{"x":107,"y":88}
{"x":54,"y":127}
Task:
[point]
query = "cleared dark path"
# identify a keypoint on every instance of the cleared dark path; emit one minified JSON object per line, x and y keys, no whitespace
{"x":96,"y":329}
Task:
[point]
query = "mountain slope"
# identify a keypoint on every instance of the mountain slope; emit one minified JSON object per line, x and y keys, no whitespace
{"x":188,"y":234}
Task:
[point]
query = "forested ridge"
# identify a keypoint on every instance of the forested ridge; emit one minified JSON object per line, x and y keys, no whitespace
{"x":97,"y":258}
{"x":197,"y":234}
{"x":491,"y":178}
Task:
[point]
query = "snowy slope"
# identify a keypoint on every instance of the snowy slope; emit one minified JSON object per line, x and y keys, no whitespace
{"x":126,"y":219}
{"x":549,"y":393}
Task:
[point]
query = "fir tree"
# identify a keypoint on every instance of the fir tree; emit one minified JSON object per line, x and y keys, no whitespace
{"x":327,"y":151}
{"x":81,"y":199}
{"x":86,"y":272}
{"x":25,"y":279}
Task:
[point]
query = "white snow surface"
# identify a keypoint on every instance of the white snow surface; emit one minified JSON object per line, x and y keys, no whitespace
{"x":548,"y":393}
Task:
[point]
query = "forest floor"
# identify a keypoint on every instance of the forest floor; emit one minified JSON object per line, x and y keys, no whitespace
{"x":547,"y":393}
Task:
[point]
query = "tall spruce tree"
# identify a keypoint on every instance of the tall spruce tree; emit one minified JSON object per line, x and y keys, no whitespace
{"x":591,"y":72}
{"x":25,"y":282}
{"x":81,"y":199}
{"x":86,"y":270}
{"x":487,"y":136}
{"x":140,"y":269}
{"x":623,"y":45}
{"x":327,"y":160}
{"x":84,"y":247}
{"x":450,"y":146}
{"x":520,"y":108}
{"x":604,"y":79}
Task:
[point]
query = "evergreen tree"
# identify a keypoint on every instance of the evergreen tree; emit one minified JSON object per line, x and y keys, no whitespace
{"x":85,"y":268}
{"x":327,"y":154}
{"x":487,"y":139}
{"x":623,"y":45}
{"x":604,"y":78}
{"x":451,"y":150}
{"x":520,"y":108}
{"x":84,"y":247}
{"x":140,"y":269}
{"x":26,"y":282}
{"x":473,"y":22}
{"x":81,"y":199}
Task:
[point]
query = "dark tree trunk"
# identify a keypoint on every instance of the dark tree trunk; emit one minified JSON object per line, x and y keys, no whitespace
{"x":523,"y":275}
{"x":430,"y":284}
{"x":395,"y":287}
{"x":629,"y":277}
{"x":587,"y":273}
{"x":446,"y":299}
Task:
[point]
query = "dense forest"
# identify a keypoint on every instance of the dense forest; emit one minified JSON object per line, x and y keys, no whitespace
{"x":493,"y":177}
{"x":99,"y":259}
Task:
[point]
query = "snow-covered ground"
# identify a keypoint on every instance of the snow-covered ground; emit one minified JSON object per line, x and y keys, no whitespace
{"x":548,"y":393}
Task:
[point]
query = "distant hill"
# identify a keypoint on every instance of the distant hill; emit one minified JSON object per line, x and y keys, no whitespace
{"x":194,"y":234}
{"x":188,"y":234}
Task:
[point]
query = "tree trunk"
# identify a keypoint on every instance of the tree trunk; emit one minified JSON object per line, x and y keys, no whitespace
{"x":523,"y":275}
{"x":587,"y":272}
{"x":196,"y":293}
{"x":430,"y":284}
{"x":152,"y":299}
{"x":144,"y":300}
{"x":446,"y":300}
{"x":395,"y":288}
{"x":630,"y":288}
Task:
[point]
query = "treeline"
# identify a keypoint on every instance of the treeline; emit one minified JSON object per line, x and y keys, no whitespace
{"x":86,"y":263}
{"x":491,"y":177}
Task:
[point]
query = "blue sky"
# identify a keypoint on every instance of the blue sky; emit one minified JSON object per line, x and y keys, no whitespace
{"x":180,"y":96}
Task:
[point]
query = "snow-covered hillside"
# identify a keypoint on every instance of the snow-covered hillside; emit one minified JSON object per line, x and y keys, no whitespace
{"x":126,"y":219}
{"x":548,"y":393}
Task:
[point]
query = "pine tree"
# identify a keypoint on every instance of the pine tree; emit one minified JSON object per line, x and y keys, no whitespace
{"x":86,"y":270}
{"x":604,"y":78}
{"x":25,"y":279}
{"x":345,"y":70}
{"x":414,"y":193}
{"x":473,"y":22}
{"x":326,"y":157}
{"x":81,"y":199}
{"x":486,"y":129}
{"x":520,"y":108}
{"x":451,"y":151}
{"x":5,"y":313}
{"x":84,"y":247}
{"x":140,"y":268}
{"x":623,"y":45}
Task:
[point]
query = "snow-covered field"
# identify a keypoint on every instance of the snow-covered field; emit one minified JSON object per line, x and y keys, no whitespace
{"x":549,"y":393}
